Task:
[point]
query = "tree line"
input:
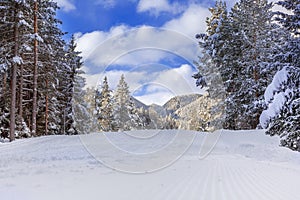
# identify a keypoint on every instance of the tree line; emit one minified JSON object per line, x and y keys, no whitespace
{"x":41,"y":86}
{"x":251,"y":63}
{"x":116,"y":110}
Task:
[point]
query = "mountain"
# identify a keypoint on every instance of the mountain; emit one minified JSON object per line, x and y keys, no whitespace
{"x":184,"y":112}
{"x":195,"y":115}
{"x":139,"y":104}
{"x":178,"y":102}
{"x":160,"y":110}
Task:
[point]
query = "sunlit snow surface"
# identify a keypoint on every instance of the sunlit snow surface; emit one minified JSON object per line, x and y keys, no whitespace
{"x":243,"y":165}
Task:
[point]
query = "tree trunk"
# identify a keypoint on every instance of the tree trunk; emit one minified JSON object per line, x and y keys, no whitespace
{"x":13,"y":83}
{"x":21,"y":93}
{"x":47,"y":109}
{"x":35,"y":74}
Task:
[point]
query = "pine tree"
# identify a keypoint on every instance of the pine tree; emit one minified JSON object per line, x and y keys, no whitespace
{"x":89,"y":100}
{"x":249,"y":61}
{"x":125,"y":113}
{"x":52,"y":63}
{"x":14,"y":37}
{"x":104,"y":107}
{"x":211,"y":64}
{"x":79,"y":115}
{"x":282,"y":116}
{"x":255,"y":32}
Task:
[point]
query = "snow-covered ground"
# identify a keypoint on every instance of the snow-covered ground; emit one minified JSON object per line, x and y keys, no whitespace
{"x":149,"y":165}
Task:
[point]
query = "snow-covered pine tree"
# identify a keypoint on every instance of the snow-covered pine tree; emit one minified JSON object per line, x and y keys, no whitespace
{"x":282,"y":117}
{"x":251,"y":22}
{"x":210,"y":63}
{"x":33,"y":60}
{"x":5,"y":34}
{"x":125,"y":113}
{"x":104,"y":107}
{"x":89,"y":99}
{"x":4,"y":107}
{"x":15,"y":28}
{"x":81,"y":118}
{"x":51,"y":65}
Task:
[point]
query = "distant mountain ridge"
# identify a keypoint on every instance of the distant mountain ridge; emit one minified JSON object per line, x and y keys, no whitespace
{"x":183,"y":112}
{"x":171,"y":105}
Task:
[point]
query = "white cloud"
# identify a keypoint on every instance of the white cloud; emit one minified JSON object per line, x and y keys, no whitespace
{"x":155,"y":7}
{"x":106,"y":3}
{"x":159,"y":98}
{"x":158,"y":86}
{"x":66,"y":5}
{"x":230,"y":3}
{"x":135,"y":47}
{"x":191,"y":22}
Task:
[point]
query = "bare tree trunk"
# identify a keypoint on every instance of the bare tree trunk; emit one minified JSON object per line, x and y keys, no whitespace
{"x":35,"y":74}
{"x":13,"y":83}
{"x":256,"y":78}
{"x":47,"y":109}
{"x":21,"y":92}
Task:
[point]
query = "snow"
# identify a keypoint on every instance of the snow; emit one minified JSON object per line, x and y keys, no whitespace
{"x":243,"y":165}
{"x":37,"y":37}
{"x":23,"y":22}
{"x":18,"y":60}
{"x":273,"y":109}
{"x":279,"y":79}
{"x":274,"y":97}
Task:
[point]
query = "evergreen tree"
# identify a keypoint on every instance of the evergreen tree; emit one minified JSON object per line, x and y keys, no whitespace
{"x":282,"y":116}
{"x":89,"y":99}
{"x":255,"y":31}
{"x":125,"y":113}
{"x":35,"y":61}
{"x":104,"y":107}
{"x":211,"y":63}
{"x":81,"y":118}
{"x":238,"y":55}
{"x":15,"y":28}
{"x":52,"y":64}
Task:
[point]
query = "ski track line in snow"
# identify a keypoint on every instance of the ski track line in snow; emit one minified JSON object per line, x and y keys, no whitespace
{"x":160,"y":195}
{"x":197,"y":175}
{"x":260,"y":181}
{"x":180,"y":186}
{"x":268,"y":190}
{"x":251,"y":187}
{"x":198,"y":191}
{"x":234,"y":184}
{"x":220,"y":183}
{"x":273,"y":183}
{"x":179,"y":189}
{"x":227,"y":182}
{"x":206,"y":184}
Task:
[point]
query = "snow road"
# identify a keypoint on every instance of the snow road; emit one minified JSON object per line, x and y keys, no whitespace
{"x":243,"y":165}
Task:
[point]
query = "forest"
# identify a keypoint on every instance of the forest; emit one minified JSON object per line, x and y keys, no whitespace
{"x":250,"y":66}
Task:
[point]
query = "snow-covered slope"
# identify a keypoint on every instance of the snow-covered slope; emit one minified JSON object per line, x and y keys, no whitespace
{"x":180,"y":101}
{"x":242,"y":165}
{"x":194,"y":115}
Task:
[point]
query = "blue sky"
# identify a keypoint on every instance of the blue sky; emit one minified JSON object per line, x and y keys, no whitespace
{"x":91,"y":15}
{"x":151,"y":42}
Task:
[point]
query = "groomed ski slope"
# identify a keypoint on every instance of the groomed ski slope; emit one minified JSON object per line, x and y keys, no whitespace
{"x":244,"y":165}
